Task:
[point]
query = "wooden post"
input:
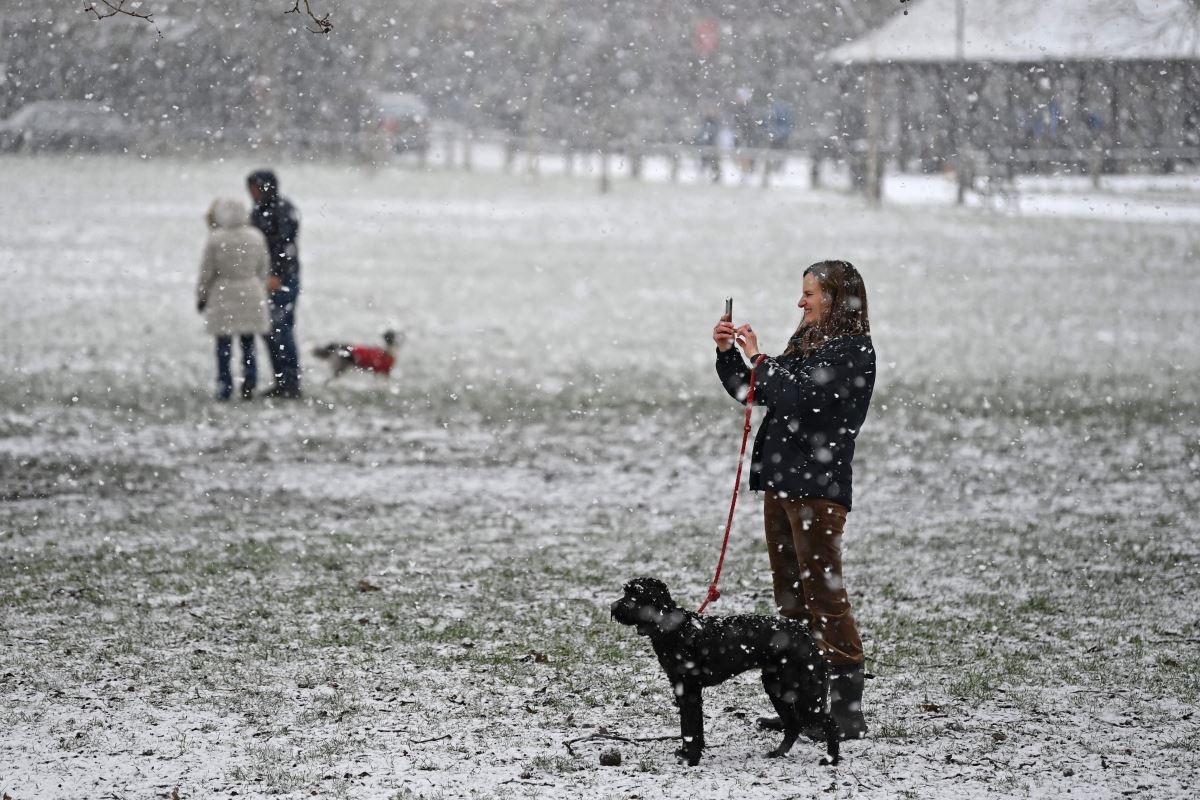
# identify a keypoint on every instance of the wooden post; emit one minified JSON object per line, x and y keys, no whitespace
{"x":814,"y":169}
{"x":533,"y":156}
{"x":449,"y":147}
{"x":510,"y":154}
{"x":635,"y":162}
{"x":467,"y":145}
{"x":674,"y":165}
{"x":964,"y":176}
{"x":604,"y":180}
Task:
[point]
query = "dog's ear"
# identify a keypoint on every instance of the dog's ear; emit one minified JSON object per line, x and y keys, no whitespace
{"x":652,"y":591}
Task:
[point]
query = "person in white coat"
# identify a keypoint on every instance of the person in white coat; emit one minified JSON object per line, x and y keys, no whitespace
{"x":232,"y":290}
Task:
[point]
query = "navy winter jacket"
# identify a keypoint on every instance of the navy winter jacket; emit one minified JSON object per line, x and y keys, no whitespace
{"x":280,"y":223}
{"x":815,"y":408}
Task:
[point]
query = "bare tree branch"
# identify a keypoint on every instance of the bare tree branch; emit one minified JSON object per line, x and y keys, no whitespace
{"x":103,"y":9}
{"x":112,"y":9}
{"x":323,"y":23}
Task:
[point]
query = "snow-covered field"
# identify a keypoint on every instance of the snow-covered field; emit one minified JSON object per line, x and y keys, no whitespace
{"x":399,"y":589}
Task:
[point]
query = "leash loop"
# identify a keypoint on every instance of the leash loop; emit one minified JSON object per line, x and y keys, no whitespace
{"x":713,"y":595}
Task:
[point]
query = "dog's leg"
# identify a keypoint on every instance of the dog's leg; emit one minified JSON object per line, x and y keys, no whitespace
{"x":789,"y":719}
{"x":789,"y":739}
{"x":691,"y":724}
{"x":833,"y":740}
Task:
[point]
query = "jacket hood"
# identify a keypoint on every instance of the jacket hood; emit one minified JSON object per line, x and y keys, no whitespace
{"x":226,"y":212}
{"x":266,"y":182}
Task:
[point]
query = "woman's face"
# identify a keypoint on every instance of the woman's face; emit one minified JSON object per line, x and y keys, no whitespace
{"x":813,"y":301}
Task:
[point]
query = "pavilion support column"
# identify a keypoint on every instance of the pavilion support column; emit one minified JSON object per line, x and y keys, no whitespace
{"x":874,"y":168}
{"x":1114,"y":111}
{"x":945,"y":76}
{"x":954,"y":139}
{"x":1014,"y":123}
{"x":903,"y":114}
{"x":1162,"y":106}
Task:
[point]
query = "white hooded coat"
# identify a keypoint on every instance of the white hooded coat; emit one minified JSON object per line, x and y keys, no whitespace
{"x":233,"y":273}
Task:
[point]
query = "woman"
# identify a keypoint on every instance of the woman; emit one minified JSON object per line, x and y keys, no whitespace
{"x":816,"y":394}
{"x":232,"y":291}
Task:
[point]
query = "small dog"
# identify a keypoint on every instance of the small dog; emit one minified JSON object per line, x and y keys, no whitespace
{"x":698,"y":651}
{"x":378,"y":360}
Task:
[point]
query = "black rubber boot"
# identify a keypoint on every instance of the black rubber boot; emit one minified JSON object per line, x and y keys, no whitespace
{"x":845,"y":700}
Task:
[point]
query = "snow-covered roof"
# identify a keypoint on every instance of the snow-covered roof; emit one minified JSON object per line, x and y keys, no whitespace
{"x":1032,"y":31}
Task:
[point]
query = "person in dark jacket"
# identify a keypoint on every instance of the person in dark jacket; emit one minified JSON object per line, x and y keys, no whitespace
{"x":816,"y":394}
{"x":280,"y":223}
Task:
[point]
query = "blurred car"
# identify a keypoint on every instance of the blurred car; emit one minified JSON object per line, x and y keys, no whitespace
{"x":65,"y":125}
{"x":401,"y":117}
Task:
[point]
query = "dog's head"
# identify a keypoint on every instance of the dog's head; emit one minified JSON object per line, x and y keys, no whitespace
{"x":648,"y":604}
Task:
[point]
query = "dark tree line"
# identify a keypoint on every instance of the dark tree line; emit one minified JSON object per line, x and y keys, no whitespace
{"x":583,"y":70}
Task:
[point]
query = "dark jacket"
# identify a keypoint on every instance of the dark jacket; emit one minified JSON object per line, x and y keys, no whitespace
{"x":280,"y":223}
{"x":815,"y":408}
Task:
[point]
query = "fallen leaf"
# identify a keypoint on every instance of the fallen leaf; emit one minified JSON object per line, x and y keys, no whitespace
{"x":366,"y":586}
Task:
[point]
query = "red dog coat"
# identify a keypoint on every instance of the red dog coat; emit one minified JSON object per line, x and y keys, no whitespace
{"x":376,"y":359}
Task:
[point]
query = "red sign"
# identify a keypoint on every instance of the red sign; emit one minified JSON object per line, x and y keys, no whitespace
{"x":707,"y":35}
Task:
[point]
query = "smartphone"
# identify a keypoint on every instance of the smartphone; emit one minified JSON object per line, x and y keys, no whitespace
{"x":729,"y":308}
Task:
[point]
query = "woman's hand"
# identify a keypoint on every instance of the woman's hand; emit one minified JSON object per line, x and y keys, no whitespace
{"x":748,"y":340}
{"x":723,"y":333}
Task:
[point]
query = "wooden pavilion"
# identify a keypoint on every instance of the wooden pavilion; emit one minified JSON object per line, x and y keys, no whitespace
{"x":1033,"y":84}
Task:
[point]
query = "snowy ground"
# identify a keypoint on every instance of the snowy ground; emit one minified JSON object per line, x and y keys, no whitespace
{"x":399,"y":589}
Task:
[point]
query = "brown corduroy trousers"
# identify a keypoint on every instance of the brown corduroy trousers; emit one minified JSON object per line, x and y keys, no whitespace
{"x":804,"y":542}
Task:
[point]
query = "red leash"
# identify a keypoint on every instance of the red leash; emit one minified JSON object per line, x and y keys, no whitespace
{"x":713,"y":594}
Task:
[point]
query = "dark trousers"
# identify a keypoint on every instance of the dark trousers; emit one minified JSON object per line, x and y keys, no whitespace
{"x":281,"y":341}
{"x":804,"y":543}
{"x":249,"y":367}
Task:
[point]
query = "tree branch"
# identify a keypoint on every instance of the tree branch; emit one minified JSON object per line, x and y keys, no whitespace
{"x":103,"y":9}
{"x":112,"y":9}
{"x":323,"y":24}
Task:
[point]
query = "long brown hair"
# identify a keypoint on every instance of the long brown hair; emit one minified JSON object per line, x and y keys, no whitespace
{"x":847,"y":311}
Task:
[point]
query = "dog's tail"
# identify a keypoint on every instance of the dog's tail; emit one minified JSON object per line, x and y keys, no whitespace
{"x":331,"y":350}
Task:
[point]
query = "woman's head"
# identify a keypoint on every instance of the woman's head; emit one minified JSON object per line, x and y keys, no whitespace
{"x":834,"y":301}
{"x":227,"y":212}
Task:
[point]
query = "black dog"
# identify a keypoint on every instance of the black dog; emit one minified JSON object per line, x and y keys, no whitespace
{"x":698,"y":651}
